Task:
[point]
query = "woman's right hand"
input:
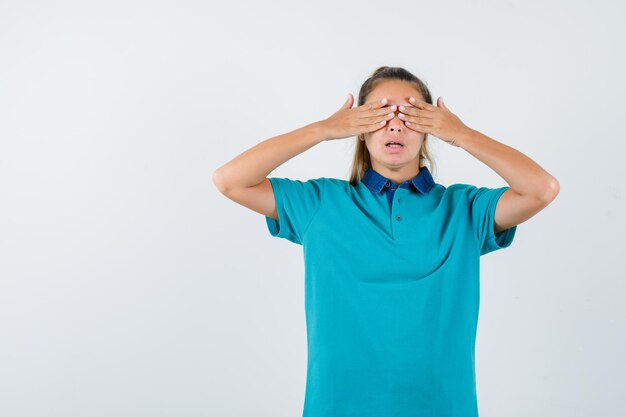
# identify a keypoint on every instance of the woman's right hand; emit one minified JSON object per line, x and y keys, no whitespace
{"x":348,"y":121}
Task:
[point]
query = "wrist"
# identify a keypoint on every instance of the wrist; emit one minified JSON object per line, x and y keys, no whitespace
{"x":465,"y":136}
{"x":320,"y":130}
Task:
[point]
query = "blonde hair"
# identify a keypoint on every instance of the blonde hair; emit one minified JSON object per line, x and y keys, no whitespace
{"x":361,"y":161}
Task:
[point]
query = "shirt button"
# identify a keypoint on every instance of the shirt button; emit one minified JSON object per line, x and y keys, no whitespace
{"x":398,"y":218}
{"x":387,"y":184}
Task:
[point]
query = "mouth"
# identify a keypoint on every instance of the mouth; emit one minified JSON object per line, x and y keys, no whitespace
{"x":394,"y":144}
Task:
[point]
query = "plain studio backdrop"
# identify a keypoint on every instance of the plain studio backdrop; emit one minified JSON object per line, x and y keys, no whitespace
{"x":129,"y":286}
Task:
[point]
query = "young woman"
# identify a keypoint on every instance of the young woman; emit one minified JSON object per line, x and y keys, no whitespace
{"x":391,"y":256}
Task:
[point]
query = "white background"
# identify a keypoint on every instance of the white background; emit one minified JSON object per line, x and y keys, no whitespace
{"x":129,"y":286}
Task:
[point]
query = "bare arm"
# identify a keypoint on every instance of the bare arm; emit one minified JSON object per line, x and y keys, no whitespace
{"x":244,"y":179}
{"x":252,"y":166}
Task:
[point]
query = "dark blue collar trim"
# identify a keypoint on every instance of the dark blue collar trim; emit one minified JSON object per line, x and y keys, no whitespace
{"x":422,"y":182}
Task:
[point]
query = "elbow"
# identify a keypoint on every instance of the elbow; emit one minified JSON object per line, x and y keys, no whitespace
{"x":218,"y":181}
{"x":552,"y":190}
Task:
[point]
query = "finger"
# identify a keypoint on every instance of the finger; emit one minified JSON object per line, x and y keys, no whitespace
{"x":426,"y":121}
{"x":388,"y":115}
{"x":421,"y":121}
{"x":418,"y":128}
{"x":349,"y":102}
{"x":424,"y":105}
{"x":375,"y":116}
{"x":373,"y":105}
{"x":414,"y":111}
{"x":375,"y":126}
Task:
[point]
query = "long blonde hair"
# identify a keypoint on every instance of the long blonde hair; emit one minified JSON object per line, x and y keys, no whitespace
{"x":361,"y":161}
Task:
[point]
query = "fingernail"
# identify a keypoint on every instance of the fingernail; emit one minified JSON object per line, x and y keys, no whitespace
{"x":383,"y":100}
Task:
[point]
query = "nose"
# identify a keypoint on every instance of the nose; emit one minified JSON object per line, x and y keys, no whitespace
{"x":395,"y":122}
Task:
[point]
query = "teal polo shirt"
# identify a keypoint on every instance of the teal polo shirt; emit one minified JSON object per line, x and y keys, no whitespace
{"x":391,"y":291}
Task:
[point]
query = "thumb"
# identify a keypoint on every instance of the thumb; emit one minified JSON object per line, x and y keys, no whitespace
{"x":440,"y":103}
{"x":349,"y":102}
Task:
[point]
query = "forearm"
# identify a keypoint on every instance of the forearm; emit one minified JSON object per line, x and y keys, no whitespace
{"x":523,"y":175}
{"x":254,"y":165}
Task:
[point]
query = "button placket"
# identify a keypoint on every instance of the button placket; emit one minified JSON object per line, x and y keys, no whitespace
{"x":398,"y":215}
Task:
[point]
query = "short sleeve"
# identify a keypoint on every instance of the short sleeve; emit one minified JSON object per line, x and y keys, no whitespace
{"x":297,"y":203}
{"x":482,"y":208}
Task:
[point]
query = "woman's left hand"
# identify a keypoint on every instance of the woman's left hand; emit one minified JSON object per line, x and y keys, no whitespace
{"x":437,"y":120}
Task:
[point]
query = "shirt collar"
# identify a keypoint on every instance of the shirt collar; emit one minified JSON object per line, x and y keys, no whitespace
{"x":423,"y":181}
